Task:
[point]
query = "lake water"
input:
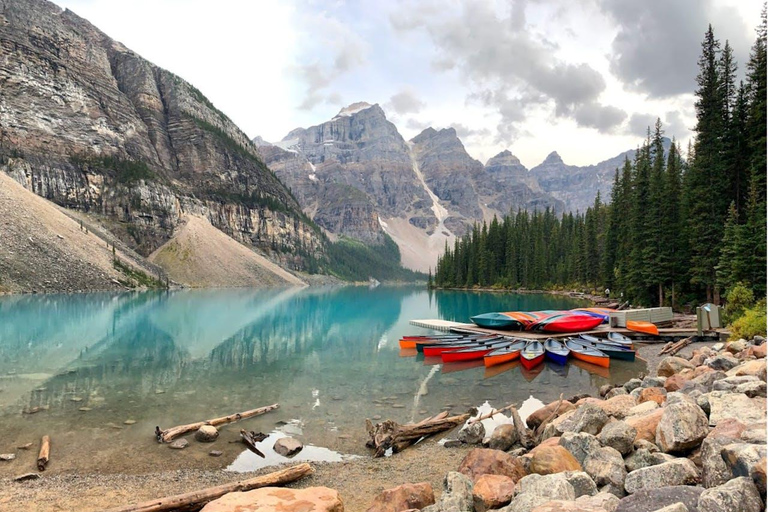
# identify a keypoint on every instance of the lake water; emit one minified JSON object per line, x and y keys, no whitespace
{"x":329,"y":356}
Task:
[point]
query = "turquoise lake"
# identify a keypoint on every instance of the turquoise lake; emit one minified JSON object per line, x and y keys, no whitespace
{"x":98,"y":372}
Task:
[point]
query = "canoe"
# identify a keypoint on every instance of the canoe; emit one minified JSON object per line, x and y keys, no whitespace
{"x":439,"y":348}
{"x":587,"y":354}
{"x":532,"y":355}
{"x":619,"y":338}
{"x":565,"y":323}
{"x":594,"y":340}
{"x":470,"y":353}
{"x":497,"y":321}
{"x":432,"y":349}
{"x":612,"y":351}
{"x":556,"y":352}
{"x":645,"y":327}
{"x":412,"y":341}
{"x":604,"y":313}
{"x":504,"y":355}
{"x":478,"y":338}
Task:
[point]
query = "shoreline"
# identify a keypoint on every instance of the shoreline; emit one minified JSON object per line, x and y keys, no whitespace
{"x":358,"y":480}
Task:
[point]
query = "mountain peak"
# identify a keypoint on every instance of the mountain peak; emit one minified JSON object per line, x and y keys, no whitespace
{"x":553,"y":158}
{"x":505,"y":156}
{"x":353,"y":109}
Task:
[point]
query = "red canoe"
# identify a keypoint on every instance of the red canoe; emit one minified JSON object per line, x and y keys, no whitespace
{"x":470,"y":353}
{"x":566,"y":323}
{"x":532,"y":355}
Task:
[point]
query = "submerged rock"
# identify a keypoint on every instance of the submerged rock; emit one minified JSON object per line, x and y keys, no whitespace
{"x":179,"y":444}
{"x":288,"y":446}
{"x":206,"y":434}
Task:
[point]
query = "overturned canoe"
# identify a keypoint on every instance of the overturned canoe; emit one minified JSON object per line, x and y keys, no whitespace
{"x":644,"y":327}
{"x":565,"y":323}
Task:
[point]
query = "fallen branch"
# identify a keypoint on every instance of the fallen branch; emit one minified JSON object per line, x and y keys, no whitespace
{"x":195,"y":500}
{"x":45,"y":453}
{"x":250,"y":439}
{"x":523,"y":434}
{"x":494,"y":412}
{"x":674,"y":348}
{"x":390,"y":434}
{"x":168,"y":435}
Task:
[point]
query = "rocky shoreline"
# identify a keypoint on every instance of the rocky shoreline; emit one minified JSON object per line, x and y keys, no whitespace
{"x":694,"y":433}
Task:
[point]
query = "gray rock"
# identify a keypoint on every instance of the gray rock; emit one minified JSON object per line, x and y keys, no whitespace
{"x":674,"y":472}
{"x":179,"y":444}
{"x":27,"y":476}
{"x":518,"y":452}
{"x":288,"y":446}
{"x":7,"y":456}
{"x":457,"y":494}
{"x":452,"y":443}
{"x":534,"y":490}
{"x":643,"y":408}
{"x":503,"y":437}
{"x":616,"y":490}
{"x":676,"y":396}
{"x":615,"y":392}
{"x":722,"y":362}
{"x":672,"y":365}
{"x":642,"y":443}
{"x":682,"y":427}
{"x":755,"y":434}
{"x":588,"y":418}
{"x":675,"y":507}
{"x":731,"y":383}
{"x":580,"y":445}
{"x":635,"y":393}
{"x":606,"y":466}
{"x":472,"y":434}
{"x":752,"y":389}
{"x":734,"y":347}
{"x":724,"y":404}
{"x":582,"y":483}
{"x":604,"y":389}
{"x":703,"y":402}
{"x":737,"y":495}
{"x":643,"y":458}
{"x":706,"y":379}
{"x":758,"y":340}
{"x":632,"y":384}
{"x":206,"y":434}
{"x":619,"y":436}
{"x":604,"y":500}
{"x":215,"y":453}
{"x":741,"y":458}
{"x":714,"y":470}
{"x":649,"y":500}
{"x":654,"y":382}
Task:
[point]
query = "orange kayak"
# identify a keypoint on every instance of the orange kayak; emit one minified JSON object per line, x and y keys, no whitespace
{"x":646,"y":327}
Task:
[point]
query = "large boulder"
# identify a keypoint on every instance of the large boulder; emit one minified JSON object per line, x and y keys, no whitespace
{"x":618,"y":435}
{"x":642,"y":408}
{"x":657,"y":394}
{"x":674,"y":472}
{"x":606,"y":501}
{"x":535,"y":490}
{"x":553,"y":459}
{"x":457,"y":494}
{"x":582,"y":483}
{"x":588,"y":418}
{"x":722,"y":362}
{"x":676,"y":382}
{"x":580,"y":445}
{"x":567,"y":506}
{"x":482,"y":461}
{"x":492,"y":491}
{"x":403,"y":497}
{"x":682,"y":427}
{"x":650,"y":500}
{"x":755,"y":368}
{"x":606,"y":466}
{"x":742,"y":458}
{"x":723,"y":405}
{"x":755,"y":433}
{"x":672,"y":365}
{"x":537,"y":417}
{"x":642,"y":458}
{"x":731,"y":383}
{"x":646,"y":424}
{"x":503,"y":437}
{"x":206,"y":434}
{"x":618,"y":406}
{"x":752,"y":389}
{"x":653,"y":382}
{"x":276,"y":499}
{"x":714,"y":470}
{"x":737,"y":495}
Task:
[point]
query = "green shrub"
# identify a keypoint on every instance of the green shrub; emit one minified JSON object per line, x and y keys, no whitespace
{"x":739,"y":298}
{"x":750,"y":324}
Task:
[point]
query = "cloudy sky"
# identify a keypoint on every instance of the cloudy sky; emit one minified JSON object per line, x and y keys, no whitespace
{"x":584,"y":78}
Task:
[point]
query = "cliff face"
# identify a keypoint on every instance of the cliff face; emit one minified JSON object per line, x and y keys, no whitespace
{"x":90,"y":125}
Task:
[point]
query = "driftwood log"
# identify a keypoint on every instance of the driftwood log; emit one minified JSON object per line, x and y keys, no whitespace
{"x":45,"y":453}
{"x":390,"y":434}
{"x":168,"y":435}
{"x":250,"y":439}
{"x":491,"y":414}
{"x":673,"y":348}
{"x":195,"y":500}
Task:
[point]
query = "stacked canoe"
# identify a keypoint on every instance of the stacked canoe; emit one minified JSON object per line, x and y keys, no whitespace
{"x":573,"y":321}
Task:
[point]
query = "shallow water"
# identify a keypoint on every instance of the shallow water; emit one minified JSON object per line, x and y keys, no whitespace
{"x":329,"y":357}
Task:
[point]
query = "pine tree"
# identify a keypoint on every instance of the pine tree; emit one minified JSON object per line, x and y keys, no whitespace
{"x":652,"y":250}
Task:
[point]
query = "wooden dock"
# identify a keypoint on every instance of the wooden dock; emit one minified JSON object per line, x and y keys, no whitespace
{"x":665,"y":333}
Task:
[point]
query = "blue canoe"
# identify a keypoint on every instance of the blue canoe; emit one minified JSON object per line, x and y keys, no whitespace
{"x":556,"y":351}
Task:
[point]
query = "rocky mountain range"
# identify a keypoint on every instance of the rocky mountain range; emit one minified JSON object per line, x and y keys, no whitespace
{"x":356,"y":176}
{"x":92,"y":126}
